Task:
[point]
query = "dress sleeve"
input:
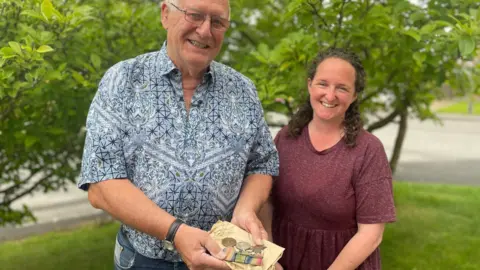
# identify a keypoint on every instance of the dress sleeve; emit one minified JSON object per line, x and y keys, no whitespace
{"x":373,"y":186}
{"x":103,"y":156}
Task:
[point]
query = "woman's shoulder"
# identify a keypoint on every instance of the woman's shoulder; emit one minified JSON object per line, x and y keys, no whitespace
{"x":367,"y":140}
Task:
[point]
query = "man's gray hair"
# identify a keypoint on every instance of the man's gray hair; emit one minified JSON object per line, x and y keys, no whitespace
{"x":176,"y":3}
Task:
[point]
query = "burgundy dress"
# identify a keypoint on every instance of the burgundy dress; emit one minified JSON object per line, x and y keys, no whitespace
{"x":319,"y":197}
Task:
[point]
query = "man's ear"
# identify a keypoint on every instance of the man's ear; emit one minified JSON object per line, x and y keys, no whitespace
{"x":164,"y":10}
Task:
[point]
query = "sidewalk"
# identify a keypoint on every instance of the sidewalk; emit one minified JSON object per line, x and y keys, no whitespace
{"x":59,"y":210}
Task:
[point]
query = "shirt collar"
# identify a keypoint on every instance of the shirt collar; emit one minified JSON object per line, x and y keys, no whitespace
{"x":167,"y":65}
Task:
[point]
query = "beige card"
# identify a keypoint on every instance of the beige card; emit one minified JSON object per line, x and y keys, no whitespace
{"x":271,"y":254}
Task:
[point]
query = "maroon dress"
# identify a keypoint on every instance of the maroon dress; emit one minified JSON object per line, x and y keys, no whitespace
{"x":320,"y":196}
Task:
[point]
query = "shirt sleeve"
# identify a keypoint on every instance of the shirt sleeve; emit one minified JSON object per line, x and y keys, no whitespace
{"x":103,"y":156}
{"x":373,"y":187}
{"x":263,"y":158}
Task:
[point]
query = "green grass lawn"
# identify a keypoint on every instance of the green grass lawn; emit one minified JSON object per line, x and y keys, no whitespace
{"x":438,"y":228}
{"x":461,"y":108}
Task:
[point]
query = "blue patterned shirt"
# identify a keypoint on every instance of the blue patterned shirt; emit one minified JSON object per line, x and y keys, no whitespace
{"x":191,"y":164}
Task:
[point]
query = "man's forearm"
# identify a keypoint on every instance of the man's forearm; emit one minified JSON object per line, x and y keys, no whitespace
{"x":255,"y":191}
{"x":125,"y":202}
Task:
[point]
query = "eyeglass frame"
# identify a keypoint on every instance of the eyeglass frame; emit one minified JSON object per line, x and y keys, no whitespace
{"x":224,"y":22}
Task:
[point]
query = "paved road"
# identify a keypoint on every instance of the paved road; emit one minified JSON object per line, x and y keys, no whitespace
{"x":448,"y":153}
{"x":441,"y":153}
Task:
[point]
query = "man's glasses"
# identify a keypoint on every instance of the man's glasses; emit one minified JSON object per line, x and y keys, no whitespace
{"x":217,"y":23}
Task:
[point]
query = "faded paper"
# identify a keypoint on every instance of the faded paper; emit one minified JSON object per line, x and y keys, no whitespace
{"x":271,"y":254}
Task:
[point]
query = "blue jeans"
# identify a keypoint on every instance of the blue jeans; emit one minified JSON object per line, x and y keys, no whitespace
{"x":126,"y":257}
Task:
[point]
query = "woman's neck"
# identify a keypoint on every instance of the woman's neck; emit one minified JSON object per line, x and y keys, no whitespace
{"x":326,"y":128}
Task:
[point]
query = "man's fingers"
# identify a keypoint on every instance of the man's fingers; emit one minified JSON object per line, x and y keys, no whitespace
{"x":256,"y":230}
{"x":264,"y":234}
{"x":212,"y":263}
{"x":213,"y":248}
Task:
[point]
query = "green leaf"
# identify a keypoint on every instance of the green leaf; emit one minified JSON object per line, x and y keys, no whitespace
{"x":78,"y":77}
{"x":401,"y":6}
{"x":44,"y":49}
{"x":16,"y":47}
{"x":7,"y":52}
{"x":428,"y":28}
{"x":33,"y":14}
{"x":466,"y":45}
{"x":474,"y":12}
{"x":12,"y":92}
{"x":414,"y":34}
{"x":56,"y":131}
{"x":263,"y":50}
{"x":417,"y":16}
{"x":96,"y":61}
{"x":419,"y":58}
{"x":47,"y":9}
{"x":2,"y":62}
{"x":29,"y":141}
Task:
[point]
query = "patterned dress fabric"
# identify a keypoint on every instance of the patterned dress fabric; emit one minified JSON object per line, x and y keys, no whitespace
{"x":190,"y":163}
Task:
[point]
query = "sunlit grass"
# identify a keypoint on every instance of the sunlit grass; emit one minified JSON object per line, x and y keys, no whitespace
{"x":438,"y":227}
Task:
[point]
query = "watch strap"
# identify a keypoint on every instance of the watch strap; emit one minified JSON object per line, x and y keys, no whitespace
{"x":172,"y":231}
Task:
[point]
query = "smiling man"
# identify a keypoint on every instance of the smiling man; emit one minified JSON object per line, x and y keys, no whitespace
{"x":175,"y":142}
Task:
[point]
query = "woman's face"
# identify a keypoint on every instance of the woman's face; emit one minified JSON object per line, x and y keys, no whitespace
{"x":332,"y":89}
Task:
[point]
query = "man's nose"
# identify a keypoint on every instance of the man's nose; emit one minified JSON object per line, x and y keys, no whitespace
{"x":205,"y":29}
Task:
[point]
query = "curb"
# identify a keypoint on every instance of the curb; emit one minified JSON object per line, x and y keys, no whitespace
{"x":457,"y":117}
{"x":17,"y":233}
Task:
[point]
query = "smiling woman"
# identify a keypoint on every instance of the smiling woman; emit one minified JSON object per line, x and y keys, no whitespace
{"x":333,"y":194}
{"x":346,"y":89}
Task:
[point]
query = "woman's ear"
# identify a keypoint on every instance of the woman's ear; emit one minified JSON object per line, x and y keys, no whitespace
{"x":309,"y":84}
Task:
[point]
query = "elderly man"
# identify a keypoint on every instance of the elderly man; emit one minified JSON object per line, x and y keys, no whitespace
{"x":175,"y":142}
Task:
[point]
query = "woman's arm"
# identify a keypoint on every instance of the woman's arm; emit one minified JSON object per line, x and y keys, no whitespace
{"x":265,"y":216}
{"x":357,"y":250}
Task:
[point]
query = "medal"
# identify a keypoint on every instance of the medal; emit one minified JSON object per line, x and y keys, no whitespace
{"x":243,"y":246}
{"x":229,"y":242}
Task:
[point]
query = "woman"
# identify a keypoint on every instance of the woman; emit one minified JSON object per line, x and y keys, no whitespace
{"x":334,"y":191}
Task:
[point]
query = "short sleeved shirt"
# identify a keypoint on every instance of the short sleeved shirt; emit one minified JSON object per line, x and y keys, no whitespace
{"x":191,"y":164}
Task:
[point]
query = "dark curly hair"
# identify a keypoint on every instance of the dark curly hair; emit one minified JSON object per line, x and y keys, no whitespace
{"x":352,"y":122}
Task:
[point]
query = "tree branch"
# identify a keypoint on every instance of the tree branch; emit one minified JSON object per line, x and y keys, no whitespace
{"x":29,"y":190}
{"x":17,"y":185}
{"x":383,"y":122}
{"x":339,"y":23}
{"x":380,"y":89}
{"x":316,"y":13}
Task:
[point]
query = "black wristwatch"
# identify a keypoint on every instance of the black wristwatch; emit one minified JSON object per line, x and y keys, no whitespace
{"x":168,"y":242}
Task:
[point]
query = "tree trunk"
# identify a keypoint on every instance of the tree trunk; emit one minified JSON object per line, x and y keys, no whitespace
{"x":470,"y":105}
{"x":402,"y":131}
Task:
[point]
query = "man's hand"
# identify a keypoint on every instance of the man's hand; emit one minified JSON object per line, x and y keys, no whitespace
{"x":195,"y":247}
{"x":250,"y":223}
{"x":278,"y":267}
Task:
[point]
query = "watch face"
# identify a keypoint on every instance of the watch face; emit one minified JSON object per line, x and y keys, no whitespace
{"x":168,"y":245}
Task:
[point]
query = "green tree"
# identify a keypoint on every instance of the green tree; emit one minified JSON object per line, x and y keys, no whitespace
{"x":52,"y":56}
{"x":408,"y":51}
{"x":51,"y":59}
